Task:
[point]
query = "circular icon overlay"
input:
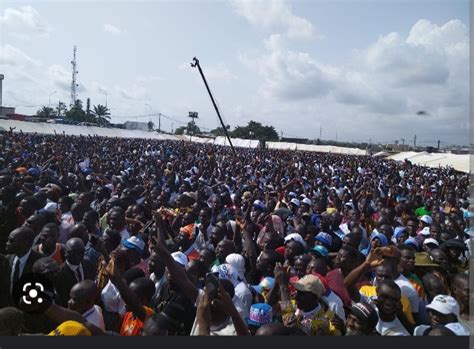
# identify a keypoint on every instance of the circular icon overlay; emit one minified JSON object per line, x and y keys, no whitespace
{"x":33,"y":293}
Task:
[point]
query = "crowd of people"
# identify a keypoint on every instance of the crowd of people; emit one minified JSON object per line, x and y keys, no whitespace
{"x":137,"y":237}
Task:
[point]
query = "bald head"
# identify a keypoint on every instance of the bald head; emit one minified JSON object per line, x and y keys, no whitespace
{"x":20,"y":241}
{"x":74,"y":251}
{"x":83,"y":296}
{"x":80,"y":231}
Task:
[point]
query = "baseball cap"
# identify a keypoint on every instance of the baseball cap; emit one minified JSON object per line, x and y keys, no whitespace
{"x":422,"y":259}
{"x":430,"y":241}
{"x":260,"y":314}
{"x":365,"y":312}
{"x":228,"y":272}
{"x":259,"y":204}
{"x":309,"y":283}
{"x":320,"y":250}
{"x":264,"y":285}
{"x":135,"y":243}
{"x":425,"y":231}
{"x":292,"y":194}
{"x":325,"y":238}
{"x":426,"y":219}
{"x":180,"y":258}
{"x":295,"y":202}
{"x":444,"y":304}
{"x":70,"y":328}
{"x":306,"y":201}
{"x":296,"y":237}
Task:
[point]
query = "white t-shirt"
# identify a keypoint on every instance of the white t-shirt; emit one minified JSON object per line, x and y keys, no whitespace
{"x":336,"y":305}
{"x":392,"y":328}
{"x":409,"y":291}
{"x":95,"y":317}
{"x":225,"y":329}
{"x":243,"y":299}
{"x":112,"y":300}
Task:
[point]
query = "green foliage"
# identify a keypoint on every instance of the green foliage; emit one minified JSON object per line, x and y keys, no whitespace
{"x":46,"y":113}
{"x":255,"y":130}
{"x":219,"y":131}
{"x":76,"y":112}
{"x":190,"y":129}
{"x":102,"y":114}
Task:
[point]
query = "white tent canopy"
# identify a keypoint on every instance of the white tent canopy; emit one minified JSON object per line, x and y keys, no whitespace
{"x":458,"y":162}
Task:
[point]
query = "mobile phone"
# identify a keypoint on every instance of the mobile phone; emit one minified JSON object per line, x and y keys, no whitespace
{"x":212,"y":285}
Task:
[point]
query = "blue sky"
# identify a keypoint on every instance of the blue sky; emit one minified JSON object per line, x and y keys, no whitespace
{"x":361,"y":69}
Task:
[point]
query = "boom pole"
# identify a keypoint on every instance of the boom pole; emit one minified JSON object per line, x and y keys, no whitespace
{"x":194,"y":65}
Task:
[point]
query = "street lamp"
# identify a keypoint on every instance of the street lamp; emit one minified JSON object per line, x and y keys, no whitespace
{"x":49,"y":99}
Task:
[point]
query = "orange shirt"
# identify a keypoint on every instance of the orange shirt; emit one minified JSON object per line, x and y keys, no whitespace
{"x":131,"y":325}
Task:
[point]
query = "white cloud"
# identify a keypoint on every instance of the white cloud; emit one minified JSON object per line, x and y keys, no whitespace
{"x":271,"y":14}
{"x":148,"y":78}
{"x":109,"y":28}
{"x":381,"y":88}
{"x":12,"y":56}
{"x":24,"y":23}
{"x":220,"y":72}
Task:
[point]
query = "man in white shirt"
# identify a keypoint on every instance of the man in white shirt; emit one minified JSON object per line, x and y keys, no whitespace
{"x":388,"y":303}
{"x":444,"y":311}
{"x":82,"y":299}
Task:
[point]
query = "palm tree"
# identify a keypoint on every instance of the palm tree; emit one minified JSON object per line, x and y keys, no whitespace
{"x":102,"y":113}
{"x":46,"y":113}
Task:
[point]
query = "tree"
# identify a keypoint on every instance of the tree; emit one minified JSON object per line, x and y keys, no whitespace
{"x":102,"y":114}
{"x":219,"y":131}
{"x":76,"y":112}
{"x":190,"y":129}
{"x":151,"y":125}
{"x":255,"y":130}
{"x":46,"y":113}
{"x":60,"y":109}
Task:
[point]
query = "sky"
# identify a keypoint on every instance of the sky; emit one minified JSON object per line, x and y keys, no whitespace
{"x":351,"y":70}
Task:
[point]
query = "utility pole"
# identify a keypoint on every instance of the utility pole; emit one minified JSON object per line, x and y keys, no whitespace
{"x":320,"y":131}
{"x":414,"y":142}
{"x":439,"y":142}
{"x":159,"y":122}
{"x":194,"y":65}
{"x":403,"y":143}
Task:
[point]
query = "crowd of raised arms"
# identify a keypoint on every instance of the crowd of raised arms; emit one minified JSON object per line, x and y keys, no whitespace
{"x":141,"y":237}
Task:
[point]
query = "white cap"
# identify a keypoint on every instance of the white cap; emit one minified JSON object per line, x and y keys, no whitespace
{"x":307,"y":201}
{"x":297,"y":237}
{"x":180,"y":258}
{"x":444,"y":304}
{"x":426,"y":219}
{"x":425,"y":231}
{"x":430,"y":241}
{"x":135,"y":243}
{"x":295,"y":202}
{"x":292,"y":194}
{"x":238,"y":263}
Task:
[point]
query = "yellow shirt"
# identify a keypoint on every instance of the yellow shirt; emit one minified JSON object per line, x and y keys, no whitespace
{"x":313,"y":323}
{"x":370,"y":292}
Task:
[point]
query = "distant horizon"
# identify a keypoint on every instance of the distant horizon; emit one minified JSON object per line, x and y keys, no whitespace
{"x":363,"y":70}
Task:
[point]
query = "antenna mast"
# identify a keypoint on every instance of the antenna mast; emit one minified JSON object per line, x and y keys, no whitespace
{"x":74,"y":83}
